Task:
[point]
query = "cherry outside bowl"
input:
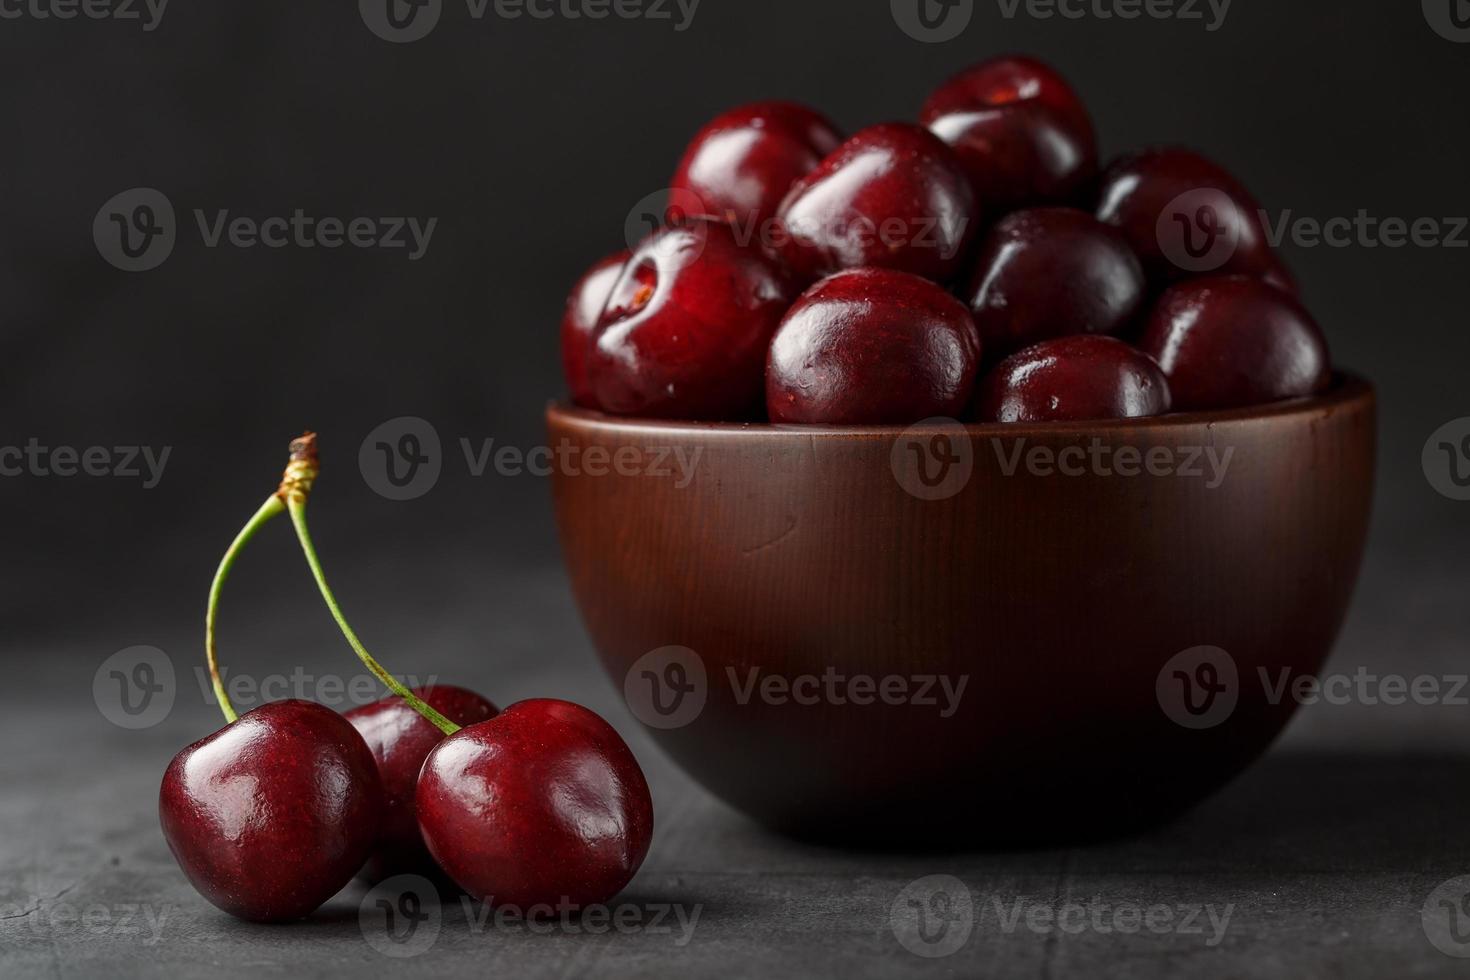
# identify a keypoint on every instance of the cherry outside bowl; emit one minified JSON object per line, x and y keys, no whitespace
{"x":1062,"y":599}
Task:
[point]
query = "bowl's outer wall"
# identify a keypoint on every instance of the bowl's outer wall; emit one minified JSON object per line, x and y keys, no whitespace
{"x":1059,"y":598}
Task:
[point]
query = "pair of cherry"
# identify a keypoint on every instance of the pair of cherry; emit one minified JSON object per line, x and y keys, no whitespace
{"x":977,"y":264}
{"x":540,"y":804}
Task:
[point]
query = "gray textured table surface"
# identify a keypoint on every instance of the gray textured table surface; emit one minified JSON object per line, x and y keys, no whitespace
{"x":1317,"y":862}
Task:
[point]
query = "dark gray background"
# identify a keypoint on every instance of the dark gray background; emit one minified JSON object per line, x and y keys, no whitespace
{"x":530,"y":141}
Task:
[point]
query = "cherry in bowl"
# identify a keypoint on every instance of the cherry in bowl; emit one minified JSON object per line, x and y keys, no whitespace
{"x":1049,"y":272}
{"x":1083,"y":378}
{"x":872,"y":346}
{"x":685,"y":329}
{"x":579,"y":322}
{"x":1185,"y":215}
{"x":893,"y":196}
{"x":1023,"y":134}
{"x":1232,"y":341}
{"x":740,"y":166}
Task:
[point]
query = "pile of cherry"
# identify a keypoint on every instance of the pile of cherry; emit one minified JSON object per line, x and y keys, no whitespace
{"x":976,"y":266}
{"x":541,"y":806}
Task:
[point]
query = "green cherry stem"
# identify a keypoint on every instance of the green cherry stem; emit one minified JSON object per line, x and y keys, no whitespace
{"x":301,"y":474}
{"x":273,"y":507}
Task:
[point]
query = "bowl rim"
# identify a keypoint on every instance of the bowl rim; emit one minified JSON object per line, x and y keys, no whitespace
{"x":1346,"y":388}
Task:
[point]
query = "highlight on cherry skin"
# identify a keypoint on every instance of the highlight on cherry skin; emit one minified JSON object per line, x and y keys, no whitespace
{"x":272,"y":815}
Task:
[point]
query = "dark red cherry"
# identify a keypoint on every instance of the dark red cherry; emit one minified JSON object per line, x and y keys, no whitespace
{"x":542,"y":804}
{"x":272,"y":815}
{"x":579,"y":320}
{"x":1186,"y":216}
{"x":1231,"y":341}
{"x":872,"y":346}
{"x":1050,"y":272}
{"x":893,"y":196}
{"x":743,"y":162}
{"x":1073,"y":379}
{"x":685,"y":330}
{"x":400,"y":740}
{"x":1022,"y":133}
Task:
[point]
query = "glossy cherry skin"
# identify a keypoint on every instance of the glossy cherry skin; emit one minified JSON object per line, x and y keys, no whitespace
{"x":272,"y":815}
{"x":1073,"y":379}
{"x":1231,"y":341}
{"x":1023,"y":134}
{"x":743,"y":162}
{"x":400,"y":740}
{"x":1167,"y":200}
{"x":685,"y":330}
{"x":872,"y":346}
{"x":1050,"y":272}
{"x":542,"y":804}
{"x":893,"y":196}
{"x":579,"y":321}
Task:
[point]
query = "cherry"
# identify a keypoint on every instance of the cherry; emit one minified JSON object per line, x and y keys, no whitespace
{"x":872,"y":346}
{"x":1049,"y":272}
{"x":1022,"y":133}
{"x":686,"y":327}
{"x":892,"y":196}
{"x":743,"y":162}
{"x":1073,"y":379}
{"x":400,"y":739}
{"x":584,"y":306}
{"x":1185,"y":215}
{"x":1232,"y":341}
{"x":542,"y":804}
{"x":271,"y":815}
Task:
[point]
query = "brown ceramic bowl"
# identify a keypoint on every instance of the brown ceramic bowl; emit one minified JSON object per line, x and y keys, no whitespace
{"x":815,"y":580}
